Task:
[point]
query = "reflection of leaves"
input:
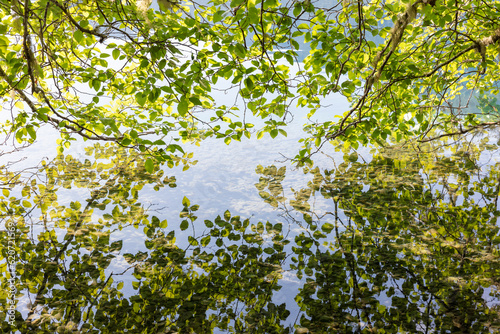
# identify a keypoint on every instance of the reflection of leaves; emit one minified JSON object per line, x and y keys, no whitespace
{"x":301,"y":200}
{"x":271,"y":180}
{"x":225,"y":278}
{"x":76,"y":261}
{"x":414,"y":244}
{"x":409,"y":244}
{"x":243,"y":271}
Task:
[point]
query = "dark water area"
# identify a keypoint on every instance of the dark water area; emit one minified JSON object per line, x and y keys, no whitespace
{"x":394,"y":239}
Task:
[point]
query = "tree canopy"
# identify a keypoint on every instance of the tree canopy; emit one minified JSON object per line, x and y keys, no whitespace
{"x":146,"y":77}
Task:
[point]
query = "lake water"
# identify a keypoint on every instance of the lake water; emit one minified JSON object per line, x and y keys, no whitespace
{"x":393,"y":239}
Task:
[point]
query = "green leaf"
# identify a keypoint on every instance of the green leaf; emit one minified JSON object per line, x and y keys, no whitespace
{"x":249,"y":83}
{"x":219,"y":242}
{"x":327,"y":227}
{"x":240,"y":51}
{"x":269,"y":250}
{"x":205,"y":240}
{"x":182,"y":107}
{"x":192,"y":241}
{"x":184,"y":225}
{"x":149,"y":165}
{"x":96,"y":84}
{"x":116,"y":246}
{"x":115,"y":54}
{"x":78,"y":35}
{"x":31,"y":131}
{"x":163,"y":224}
{"x":141,"y":98}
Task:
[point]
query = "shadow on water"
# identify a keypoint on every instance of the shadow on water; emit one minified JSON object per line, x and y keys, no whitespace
{"x":406,"y":241}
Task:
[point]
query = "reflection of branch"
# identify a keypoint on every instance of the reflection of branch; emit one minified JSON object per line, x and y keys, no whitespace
{"x":355,"y":288}
{"x":497,"y":192}
{"x":96,"y":195}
